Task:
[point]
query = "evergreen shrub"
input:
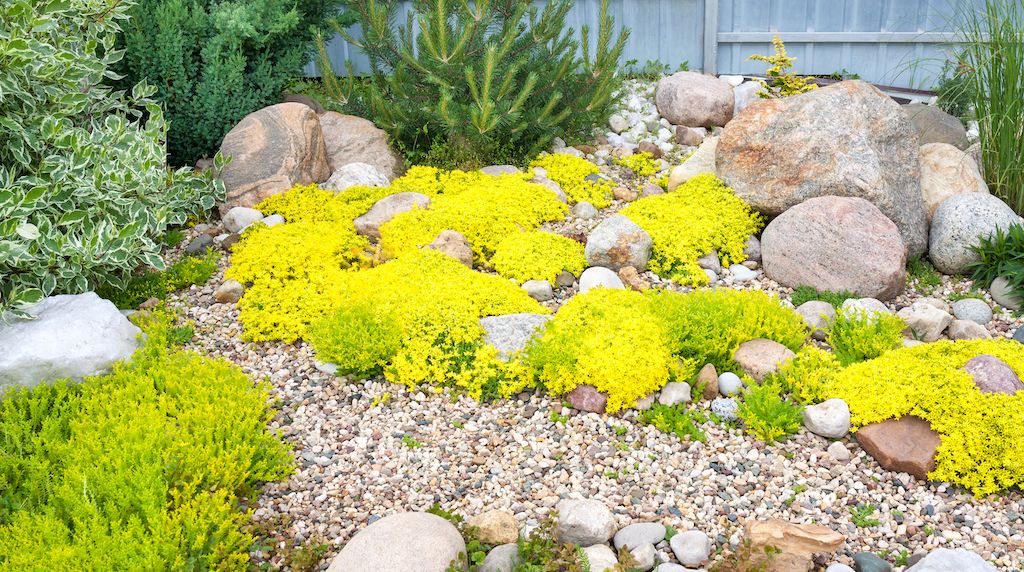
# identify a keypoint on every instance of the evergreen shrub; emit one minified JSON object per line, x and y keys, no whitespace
{"x":493,"y":77}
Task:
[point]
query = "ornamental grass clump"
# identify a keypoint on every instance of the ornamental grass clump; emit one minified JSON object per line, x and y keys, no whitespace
{"x":571,"y":172}
{"x":538,"y":255}
{"x":141,"y":469}
{"x":697,"y":217}
{"x":485,"y":78}
{"x":982,"y":434}
{"x":609,"y":339}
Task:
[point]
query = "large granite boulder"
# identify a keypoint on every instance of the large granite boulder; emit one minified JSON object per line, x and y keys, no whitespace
{"x":847,"y":139}
{"x":947,"y":171}
{"x":694,"y":99}
{"x":906,"y":445}
{"x":400,"y":543}
{"x":835,"y":244}
{"x":958,"y":225}
{"x":272,"y":150}
{"x":351,"y":139}
{"x":933,"y":125}
{"x":993,"y":375}
{"x":72,"y":336}
{"x":386,"y":209}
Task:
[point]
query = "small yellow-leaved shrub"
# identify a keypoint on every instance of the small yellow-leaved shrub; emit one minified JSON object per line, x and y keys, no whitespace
{"x":643,"y":164}
{"x":697,"y":217}
{"x":570,"y":173}
{"x":538,"y":255}
{"x":435,"y":302}
{"x":484,"y":208}
{"x":610,"y":339}
{"x":982,"y":434}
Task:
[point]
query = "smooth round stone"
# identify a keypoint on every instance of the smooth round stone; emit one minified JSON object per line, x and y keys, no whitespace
{"x":741,"y":273}
{"x":584,"y":210}
{"x":729,"y":384}
{"x":868,"y":562}
{"x":585,"y":522}
{"x":539,"y":290}
{"x":838,"y":451}
{"x":1019,"y":335}
{"x":839,"y":568}
{"x":692,"y":548}
{"x":599,"y":277}
{"x":674,"y":393}
{"x":712,"y":277}
{"x":829,"y":418}
{"x":601,"y":558}
{"x":639,"y":533}
{"x":1004,"y":295}
{"x":972,"y":309}
{"x":401,"y":542}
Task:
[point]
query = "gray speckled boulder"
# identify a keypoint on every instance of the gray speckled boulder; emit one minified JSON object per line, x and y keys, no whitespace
{"x":958,"y":224}
{"x":585,"y":522}
{"x":401,"y":542}
{"x":955,"y":560}
{"x":847,"y":139}
{"x":509,"y":333}
{"x":933,"y":125}
{"x":617,"y":243}
{"x":972,"y":309}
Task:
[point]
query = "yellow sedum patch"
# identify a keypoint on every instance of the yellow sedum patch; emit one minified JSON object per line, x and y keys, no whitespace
{"x":698,"y":217}
{"x":570,"y":173}
{"x":643,"y":164}
{"x":609,"y":339}
{"x":982,"y":434}
{"x":538,"y":255}
{"x":484,"y":208}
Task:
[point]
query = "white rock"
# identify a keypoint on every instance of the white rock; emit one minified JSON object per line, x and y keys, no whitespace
{"x":729,"y":384}
{"x":671,"y":567}
{"x":925,"y":321}
{"x":1004,"y":295}
{"x":601,"y":558}
{"x":585,"y":522}
{"x":829,"y":418}
{"x":733,"y":80}
{"x":741,"y":273}
{"x":399,"y":543}
{"x":273,"y":220}
{"x":353,"y":174}
{"x":675,"y":392}
{"x":639,"y":533}
{"x":839,"y":568}
{"x":503,"y":558}
{"x":838,"y":451}
{"x":599,"y":277}
{"x":618,"y":123}
{"x":388,"y":208}
{"x":868,"y":305}
{"x":702,"y":161}
{"x":509,"y":333}
{"x":71,"y":336}
{"x":238,"y":218}
{"x":584,"y":210}
{"x":539,"y":290}
{"x":645,"y":556}
{"x":692,"y":548}
{"x":818,"y":316}
{"x":955,"y":560}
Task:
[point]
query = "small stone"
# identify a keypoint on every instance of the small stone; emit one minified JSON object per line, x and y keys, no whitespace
{"x":796,"y":543}
{"x":926,"y":322}
{"x":509,"y":333}
{"x":388,"y":208}
{"x":993,"y":375}
{"x":869,"y":562}
{"x":584,"y":211}
{"x":645,"y":556}
{"x":647,"y":402}
{"x":273,"y":220}
{"x":453,"y":244}
{"x":671,"y":567}
{"x":539,"y":290}
{"x":229,"y":292}
{"x":710,"y":262}
{"x":725,"y":408}
{"x":586,"y":397}
{"x":818,"y":316}
{"x":868,"y":305}
{"x":239,"y":218}
{"x":729,"y":384}
{"x":650,"y":190}
{"x":624,"y":194}
{"x":502,"y":558}
{"x":618,"y":242}
{"x":838,"y":451}
{"x":839,"y":568}
{"x":498,"y":170}
{"x":972,"y":309}
{"x":708,"y":378}
{"x":618,"y":123}
{"x":675,"y":392}
{"x":1004,"y":295}
{"x":712,"y":277}
{"x":599,"y":277}
{"x":639,"y":533}
{"x":496,"y":527}
{"x":632,"y":279}
{"x":741,"y":273}
{"x":692,"y":548}
{"x":199,"y":244}
{"x":965,"y":330}
{"x":565,"y":279}
{"x":585,"y":522}
{"x":552,"y":186}
{"x":955,"y":560}
{"x":353,"y":175}
{"x":753,"y":249}
{"x":1019,"y":335}
{"x":601,"y":558}
{"x":688,"y":136}
{"x":761,"y":357}
{"x":829,"y":418}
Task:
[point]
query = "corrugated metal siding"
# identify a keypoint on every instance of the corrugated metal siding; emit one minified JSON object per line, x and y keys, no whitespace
{"x":672,"y":31}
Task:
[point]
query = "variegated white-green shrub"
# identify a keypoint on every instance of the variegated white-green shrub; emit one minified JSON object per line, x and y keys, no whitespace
{"x":85,"y":194}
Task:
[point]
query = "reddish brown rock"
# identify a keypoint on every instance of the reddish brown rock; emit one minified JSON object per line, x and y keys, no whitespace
{"x":694,"y":99}
{"x":587,"y":398}
{"x":847,"y":139}
{"x":708,"y":376}
{"x":906,"y":445}
{"x":648,"y":147}
{"x":271,"y":151}
{"x":993,"y":375}
{"x":760,"y":357}
{"x":835,"y":244}
{"x":632,"y":279}
{"x":351,"y":139}
{"x":454,"y":244}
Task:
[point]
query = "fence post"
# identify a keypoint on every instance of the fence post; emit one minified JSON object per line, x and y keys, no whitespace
{"x":710,"y":36}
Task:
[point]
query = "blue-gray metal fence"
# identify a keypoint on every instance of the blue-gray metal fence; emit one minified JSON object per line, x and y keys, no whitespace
{"x":894,"y":42}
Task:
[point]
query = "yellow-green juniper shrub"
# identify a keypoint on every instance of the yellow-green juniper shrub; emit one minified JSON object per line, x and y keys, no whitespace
{"x":140,"y":469}
{"x":697,"y":217}
{"x":570,"y":173}
{"x":856,"y":334}
{"x":360,"y":338}
{"x":609,"y":339}
{"x":538,"y":255}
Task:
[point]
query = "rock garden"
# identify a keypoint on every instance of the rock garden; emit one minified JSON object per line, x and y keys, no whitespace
{"x":439,"y":322}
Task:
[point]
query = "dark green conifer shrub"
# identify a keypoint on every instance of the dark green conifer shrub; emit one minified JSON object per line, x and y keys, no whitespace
{"x":214,"y":62}
{"x":480,"y":78}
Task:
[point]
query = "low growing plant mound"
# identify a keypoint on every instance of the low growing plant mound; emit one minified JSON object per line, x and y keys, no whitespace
{"x":433,"y":304}
{"x":538,"y":255}
{"x":141,"y":469}
{"x":857,"y":334}
{"x":609,"y":339}
{"x":699,"y":216}
{"x":982,"y":433}
{"x":571,"y":172}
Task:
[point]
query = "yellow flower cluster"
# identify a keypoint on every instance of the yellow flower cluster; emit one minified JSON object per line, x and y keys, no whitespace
{"x":436,"y":302}
{"x":538,"y":255}
{"x":484,"y":208}
{"x":643,"y":164}
{"x":700,"y":216}
{"x":982,"y":434}
{"x":609,"y":339}
{"x":570,"y":173}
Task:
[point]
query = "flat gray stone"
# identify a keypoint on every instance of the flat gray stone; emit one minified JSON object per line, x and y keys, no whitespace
{"x":973,"y":309}
{"x":509,"y":333}
{"x":639,"y":533}
{"x":584,"y":522}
